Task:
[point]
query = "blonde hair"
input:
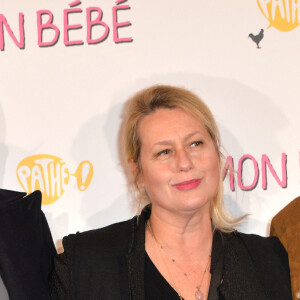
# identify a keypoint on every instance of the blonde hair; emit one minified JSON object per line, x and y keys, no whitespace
{"x":146,"y":102}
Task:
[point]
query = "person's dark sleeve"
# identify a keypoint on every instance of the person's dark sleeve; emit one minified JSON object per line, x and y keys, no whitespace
{"x":61,"y":281}
{"x":26,"y":246}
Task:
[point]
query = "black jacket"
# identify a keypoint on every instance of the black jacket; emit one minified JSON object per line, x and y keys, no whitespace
{"x":108,"y":264}
{"x":26,"y":246}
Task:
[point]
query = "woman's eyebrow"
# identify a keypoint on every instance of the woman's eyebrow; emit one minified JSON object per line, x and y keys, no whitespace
{"x":169,"y":142}
{"x":189,"y":135}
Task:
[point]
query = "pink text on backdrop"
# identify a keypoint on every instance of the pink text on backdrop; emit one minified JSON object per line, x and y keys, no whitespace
{"x":93,"y":18}
{"x":3,"y":22}
{"x":265,"y":166}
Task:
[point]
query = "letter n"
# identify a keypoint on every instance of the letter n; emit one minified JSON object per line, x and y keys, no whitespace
{"x":265,"y":161}
{"x":21,"y":43}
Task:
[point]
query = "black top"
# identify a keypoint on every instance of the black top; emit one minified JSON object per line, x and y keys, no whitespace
{"x":109,"y":264}
{"x":156,"y":286}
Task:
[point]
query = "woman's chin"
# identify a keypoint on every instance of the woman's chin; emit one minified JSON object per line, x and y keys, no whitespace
{"x":187,"y":206}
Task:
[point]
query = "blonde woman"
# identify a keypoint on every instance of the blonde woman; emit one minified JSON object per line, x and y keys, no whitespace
{"x":183,"y":245}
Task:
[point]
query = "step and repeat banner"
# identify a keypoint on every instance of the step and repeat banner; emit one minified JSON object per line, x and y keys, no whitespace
{"x":68,"y":68}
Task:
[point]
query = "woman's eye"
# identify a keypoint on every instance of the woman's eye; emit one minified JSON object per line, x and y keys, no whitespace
{"x":196,"y":143}
{"x":163,"y":152}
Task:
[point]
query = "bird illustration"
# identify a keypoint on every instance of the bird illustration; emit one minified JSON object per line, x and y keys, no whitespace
{"x":257,"y":38}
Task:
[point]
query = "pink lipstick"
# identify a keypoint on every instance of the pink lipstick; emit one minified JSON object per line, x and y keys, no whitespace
{"x":187,"y":185}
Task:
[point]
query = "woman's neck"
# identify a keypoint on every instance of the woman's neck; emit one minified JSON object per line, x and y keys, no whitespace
{"x":187,"y":234}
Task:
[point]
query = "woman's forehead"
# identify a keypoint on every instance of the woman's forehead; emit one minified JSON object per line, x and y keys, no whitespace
{"x":166,"y":124}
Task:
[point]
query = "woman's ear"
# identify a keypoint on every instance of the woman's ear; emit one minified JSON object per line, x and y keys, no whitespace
{"x":133,"y":167}
{"x":136,"y":173}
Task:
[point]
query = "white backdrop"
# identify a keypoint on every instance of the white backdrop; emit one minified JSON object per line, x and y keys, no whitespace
{"x":64,"y":102}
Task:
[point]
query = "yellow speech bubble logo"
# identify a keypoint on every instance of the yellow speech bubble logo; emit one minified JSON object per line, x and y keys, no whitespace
{"x":50,"y":175}
{"x":283,"y":15}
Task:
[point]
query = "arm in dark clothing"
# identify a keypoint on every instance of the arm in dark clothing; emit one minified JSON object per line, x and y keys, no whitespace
{"x":61,"y":283}
{"x":26,"y":246}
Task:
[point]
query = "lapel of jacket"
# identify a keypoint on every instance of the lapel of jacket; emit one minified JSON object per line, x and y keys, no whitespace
{"x":240,"y":280}
{"x":136,"y":256}
{"x":217,"y":263}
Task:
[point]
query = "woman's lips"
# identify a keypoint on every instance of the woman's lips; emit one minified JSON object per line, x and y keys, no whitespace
{"x":187,"y":185}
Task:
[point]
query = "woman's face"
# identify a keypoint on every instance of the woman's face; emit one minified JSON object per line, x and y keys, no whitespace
{"x":179,"y":163}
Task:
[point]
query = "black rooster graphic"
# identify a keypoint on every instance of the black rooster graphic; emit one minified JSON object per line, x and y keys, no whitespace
{"x":257,"y":38}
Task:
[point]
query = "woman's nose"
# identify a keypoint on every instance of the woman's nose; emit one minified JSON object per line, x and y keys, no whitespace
{"x":183,"y":161}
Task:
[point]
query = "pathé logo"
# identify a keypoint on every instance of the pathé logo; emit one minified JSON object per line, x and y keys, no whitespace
{"x":283,"y":15}
{"x":50,"y":175}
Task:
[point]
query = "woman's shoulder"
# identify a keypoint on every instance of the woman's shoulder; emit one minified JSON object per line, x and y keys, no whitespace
{"x":263,"y":244}
{"x":87,"y":253}
{"x":265,"y":256}
{"x":264,"y":251}
{"x":115,"y":237}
